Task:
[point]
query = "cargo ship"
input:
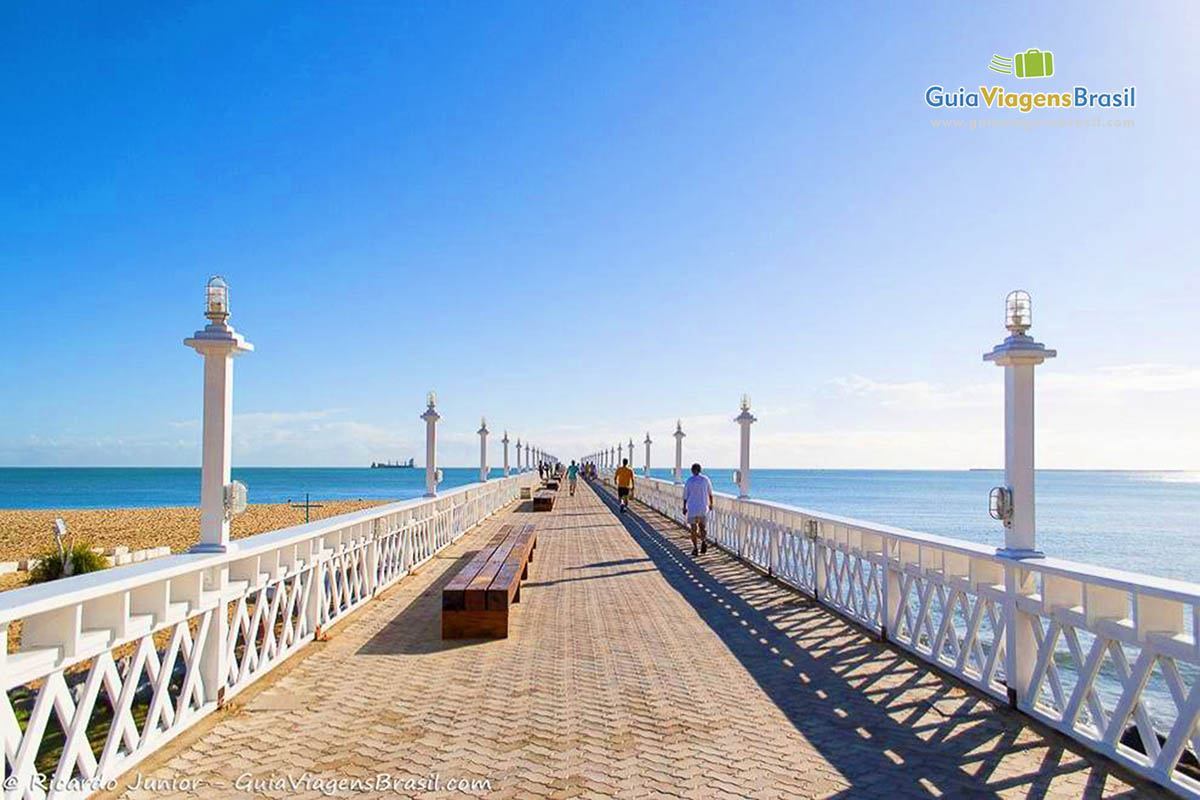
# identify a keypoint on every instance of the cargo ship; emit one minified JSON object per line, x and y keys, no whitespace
{"x":393,"y":464}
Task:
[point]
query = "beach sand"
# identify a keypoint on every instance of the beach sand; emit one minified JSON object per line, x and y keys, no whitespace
{"x":26,"y":533}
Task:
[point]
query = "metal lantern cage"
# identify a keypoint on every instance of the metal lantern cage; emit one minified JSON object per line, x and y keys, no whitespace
{"x":431,"y":398}
{"x":216,"y":299}
{"x":1018,"y":311}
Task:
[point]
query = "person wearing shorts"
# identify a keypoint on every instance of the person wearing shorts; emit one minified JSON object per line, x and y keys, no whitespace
{"x":572,"y":474}
{"x":624,"y":480}
{"x":697,"y":502}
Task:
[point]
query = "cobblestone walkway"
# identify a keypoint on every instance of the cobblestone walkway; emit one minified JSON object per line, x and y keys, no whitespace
{"x":630,"y":670}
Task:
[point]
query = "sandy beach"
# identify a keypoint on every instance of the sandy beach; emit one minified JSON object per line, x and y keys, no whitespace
{"x":25,"y":533}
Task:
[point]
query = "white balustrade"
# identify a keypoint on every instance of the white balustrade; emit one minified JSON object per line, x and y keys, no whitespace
{"x":174,"y":638}
{"x":1116,"y":661}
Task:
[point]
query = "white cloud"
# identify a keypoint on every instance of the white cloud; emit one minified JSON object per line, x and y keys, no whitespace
{"x":1135,"y":416}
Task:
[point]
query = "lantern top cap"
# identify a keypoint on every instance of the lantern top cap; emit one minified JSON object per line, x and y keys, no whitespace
{"x":216,"y":299}
{"x":1018,"y":312}
{"x":431,"y":398}
{"x":745,"y":402}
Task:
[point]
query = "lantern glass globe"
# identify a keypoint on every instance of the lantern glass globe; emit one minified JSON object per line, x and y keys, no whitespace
{"x":216,"y":299}
{"x":745,"y":402}
{"x":431,"y":398}
{"x":1018,"y":312}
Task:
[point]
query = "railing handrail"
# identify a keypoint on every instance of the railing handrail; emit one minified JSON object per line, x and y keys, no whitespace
{"x":27,"y":601}
{"x":1168,"y":588}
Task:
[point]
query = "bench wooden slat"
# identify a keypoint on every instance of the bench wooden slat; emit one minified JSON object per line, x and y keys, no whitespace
{"x":453,"y":593}
{"x":506,"y":586}
{"x":475,"y":596}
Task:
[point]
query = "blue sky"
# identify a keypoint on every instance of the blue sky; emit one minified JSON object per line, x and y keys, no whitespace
{"x":586,"y":220}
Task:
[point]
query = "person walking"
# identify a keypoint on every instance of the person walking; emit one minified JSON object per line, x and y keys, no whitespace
{"x":697,"y":502}
{"x":624,"y":481}
{"x":572,"y":474}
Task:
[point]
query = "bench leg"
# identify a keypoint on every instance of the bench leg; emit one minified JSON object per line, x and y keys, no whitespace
{"x":474,"y":624}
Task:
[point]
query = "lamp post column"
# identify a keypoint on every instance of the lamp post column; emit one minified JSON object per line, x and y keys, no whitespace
{"x":431,"y":418}
{"x":679,"y":434}
{"x":218,"y":343}
{"x":620,"y":453}
{"x":483,"y":465}
{"x":504,"y":441}
{"x":518,"y":455}
{"x":745,"y":419}
{"x":1013,"y":503}
{"x":648,"y":443}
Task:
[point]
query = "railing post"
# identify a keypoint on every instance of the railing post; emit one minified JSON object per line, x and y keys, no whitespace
{"x":773,"y":567}
{"x":214,"y":656}
{"x":891,"y":592}
{"x":818,"y":556}
{"x":316,"y":593}
{"x":1020,"y":645}
{"x":373,"y":556}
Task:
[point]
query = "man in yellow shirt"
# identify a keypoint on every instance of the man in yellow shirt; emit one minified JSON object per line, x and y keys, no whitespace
{"x":624,"y":480}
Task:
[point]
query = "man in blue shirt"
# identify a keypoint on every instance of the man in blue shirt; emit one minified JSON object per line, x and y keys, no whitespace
{"x":697,"y":502}
{"x":572,"y":474}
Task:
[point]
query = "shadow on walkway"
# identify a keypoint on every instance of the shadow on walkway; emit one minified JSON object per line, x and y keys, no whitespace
{"x":891,"y":725}
{"x":417,"y":628}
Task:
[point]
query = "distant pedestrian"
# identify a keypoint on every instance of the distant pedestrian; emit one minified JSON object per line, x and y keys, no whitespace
{"x":572,"y":474}
{"x":697,"y":502}
{"x":624,"y":481}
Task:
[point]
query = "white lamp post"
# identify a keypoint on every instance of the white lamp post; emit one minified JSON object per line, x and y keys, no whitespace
{"x":1013,"y":504}
{"x":630,"y":451}
{"x":648,"y":443}
{"x":483,"y":465}
{"x":679,"y":434}
{"x":620,"y":453}
{"x":218,"y":343}
{"x":504,"y":441}
{"x":431,"y":418}
{"x":745,"y":419}
{"x":528,"y":460}
{"x":518,"y":454}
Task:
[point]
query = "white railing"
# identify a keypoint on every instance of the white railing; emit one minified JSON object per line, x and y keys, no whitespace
{"x":113,"y":664}
{"x":1107,"y":657}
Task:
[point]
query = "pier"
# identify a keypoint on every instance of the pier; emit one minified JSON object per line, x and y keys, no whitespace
{"x":804,"y":655}
{"x":630,"y":670}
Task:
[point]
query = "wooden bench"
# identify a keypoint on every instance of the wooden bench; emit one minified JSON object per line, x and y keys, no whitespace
{"x":476,"y":601}
{"x":543,"y":500}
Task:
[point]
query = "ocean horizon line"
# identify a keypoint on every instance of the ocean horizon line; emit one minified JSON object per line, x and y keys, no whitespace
{"x":637,"y":468}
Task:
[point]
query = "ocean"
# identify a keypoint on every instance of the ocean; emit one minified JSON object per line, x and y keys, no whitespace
{"x":1140,"y":521}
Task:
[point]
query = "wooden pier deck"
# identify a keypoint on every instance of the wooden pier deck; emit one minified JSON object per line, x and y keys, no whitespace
{"x":630,"y":670}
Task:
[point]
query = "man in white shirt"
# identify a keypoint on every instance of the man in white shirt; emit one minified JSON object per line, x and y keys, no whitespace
{"x":697,"y":502}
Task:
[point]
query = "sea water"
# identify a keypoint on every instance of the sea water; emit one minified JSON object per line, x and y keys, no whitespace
{"x":1139,"y":521}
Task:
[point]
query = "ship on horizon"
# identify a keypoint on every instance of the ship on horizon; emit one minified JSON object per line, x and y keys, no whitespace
{"x":410,"y":464}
